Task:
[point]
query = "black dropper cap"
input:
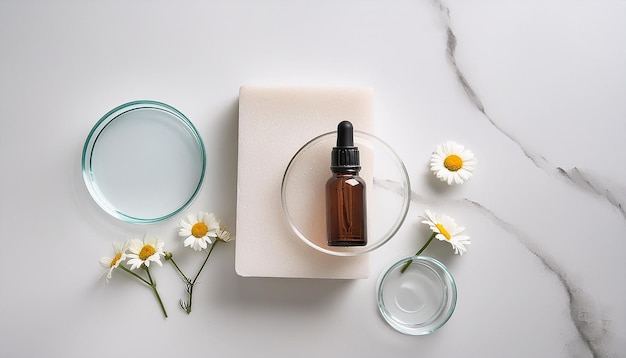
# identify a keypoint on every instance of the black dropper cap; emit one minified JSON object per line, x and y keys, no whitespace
{"x":345,"y":156}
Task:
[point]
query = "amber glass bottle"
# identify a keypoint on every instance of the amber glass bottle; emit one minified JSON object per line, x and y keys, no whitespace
{"x":346,"y":210}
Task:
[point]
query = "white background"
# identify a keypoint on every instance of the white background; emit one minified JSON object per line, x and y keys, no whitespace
{"x":544,"y":93}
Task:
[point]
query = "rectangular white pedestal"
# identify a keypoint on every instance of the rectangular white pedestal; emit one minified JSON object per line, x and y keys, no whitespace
{"x":274,"y":122}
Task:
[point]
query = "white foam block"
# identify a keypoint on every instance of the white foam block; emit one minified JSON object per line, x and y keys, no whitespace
{"x":274,"y":122}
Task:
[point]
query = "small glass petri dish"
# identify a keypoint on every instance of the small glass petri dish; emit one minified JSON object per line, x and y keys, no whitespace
{"x":143,"y":162}
{"x":388,"y":192}
{"x":419,"y":300}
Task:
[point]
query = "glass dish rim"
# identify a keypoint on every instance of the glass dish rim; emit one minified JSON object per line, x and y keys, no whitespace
{"x":365,"y":249}
{"x":447,"y":280}
{"x":97,"y":130}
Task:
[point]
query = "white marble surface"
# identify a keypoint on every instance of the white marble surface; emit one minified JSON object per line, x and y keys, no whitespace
{"x":536,"y":89}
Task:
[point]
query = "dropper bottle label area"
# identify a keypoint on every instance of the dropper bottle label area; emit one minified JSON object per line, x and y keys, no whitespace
{"x":346,"y":213}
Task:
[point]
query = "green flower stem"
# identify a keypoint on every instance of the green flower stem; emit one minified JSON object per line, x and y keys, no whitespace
{"x":187,"y":280}
{"x":134,"y":274}
{"x":408,"y":263}
{"x":156,"y":292}
{"x":195,"y":279}
{"x":150,"y":283}
{"x":204,"y":263}
{"x":186,"y":306}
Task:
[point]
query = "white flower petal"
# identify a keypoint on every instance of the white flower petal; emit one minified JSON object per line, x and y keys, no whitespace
{"x":189,"y":241}
{"x":463,"y":173}
{"x":445,"y":149}
{"x":106,"y":261}
{"x":454,"y":231}
{"x":457,"y":148}
{"x":135,"y":263}
{"x":457,"y":178}
{"x":212,"y":222}
{"x":224,"y":235}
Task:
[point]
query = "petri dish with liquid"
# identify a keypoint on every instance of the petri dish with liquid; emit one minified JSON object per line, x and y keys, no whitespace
{"x":416,"y":295}
{"x":143,"y":162}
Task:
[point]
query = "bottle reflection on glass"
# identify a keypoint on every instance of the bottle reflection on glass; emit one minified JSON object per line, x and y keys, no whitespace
{"x":346,"y":209}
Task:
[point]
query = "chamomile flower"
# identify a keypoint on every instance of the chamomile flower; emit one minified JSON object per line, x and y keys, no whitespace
{"x":142,"y":252}
{"x":199,"y":231}
{"x":446,"y":229}
{"x":224,"y":234}
{"x":452,"y":163}
{"x":111,"y":263}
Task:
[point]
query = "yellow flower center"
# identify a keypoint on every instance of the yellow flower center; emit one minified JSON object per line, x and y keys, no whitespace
{"x":117,"y":257}
{"x":199,"y":229}
{"x":453,"y":162}
{"x":443,"y":231}
{"x":146,"y":252}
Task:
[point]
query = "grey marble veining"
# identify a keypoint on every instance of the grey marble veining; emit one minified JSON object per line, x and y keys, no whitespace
{"x":591,"y":327}
{"x":451,"y":43}
{"x":580,"y":306}
{"x":614,"y":194}
{"x":578,"y":177}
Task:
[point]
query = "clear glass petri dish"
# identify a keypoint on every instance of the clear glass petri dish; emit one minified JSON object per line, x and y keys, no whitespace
{"x":143,"y":162}
{"x":419,"y":300}
{"x":388,"y":192}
